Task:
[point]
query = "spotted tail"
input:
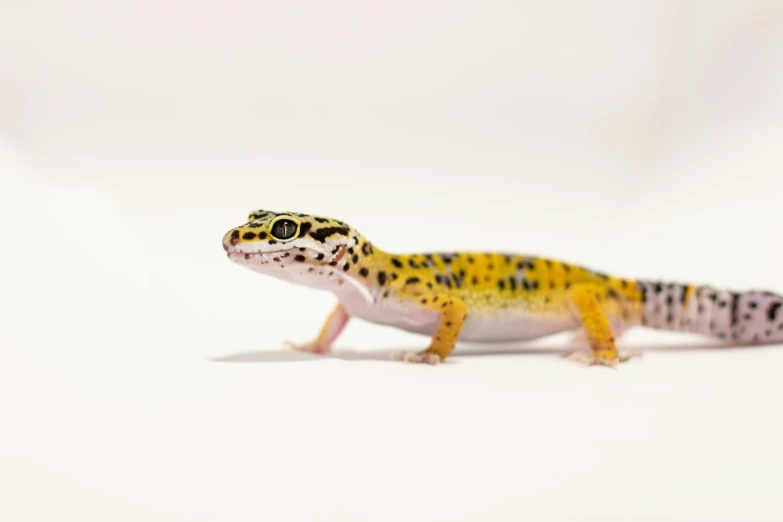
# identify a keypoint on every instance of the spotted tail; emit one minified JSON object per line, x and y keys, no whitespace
{"x":744,"y":317}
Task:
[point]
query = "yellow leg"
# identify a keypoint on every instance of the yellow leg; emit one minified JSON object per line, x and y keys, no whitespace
{"x":453,"y":313}
{"x":329,"y":332}
{"x":585,"y":300}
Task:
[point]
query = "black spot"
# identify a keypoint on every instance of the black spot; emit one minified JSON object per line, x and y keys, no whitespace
{"x":350,"y":250}
{"x":752,"y":304}
{"x":381,"y":278}
{"x":412,"y":263}
{"x":446,"y":259}
{"x":722,"y":304}
{"x":658,"y":288}
{"x":772,"y":311}
{"x":346,"y":267}
{"x":412,"y":280}
{"x":701,"y":308}
{"x":355,"y":259}
{"x":669,"y":300}
{"x":611,"y":294}
{"x":502,"y":284}
{"x":363,"y":272}
{"x":394,"y":276}
{"x":734,"y":308}
{"x":302,"y":249}
{"x":435,"y":299}
{"x":386,"y":293}
{"x":272,"y":241}
{"x":512,"y":283}
{"x":319,"y":257}
{"x":322,"y":233}
{"x":643,"y":293}
{"x":249,"y":235}
{"x":471,"y":260}
{"x":448,"y":323}
{"x":235,"y":236}
{"x":424,"y":301}
{"x":321,"y":220}
{"x":335,"y":249}
{"x":396,"y":262}
{"x":300,"y":258}
{"x":304,"y":228}
{"x":747,"y":317}
{"x":367,"y":249}
{"x":333,"y":263}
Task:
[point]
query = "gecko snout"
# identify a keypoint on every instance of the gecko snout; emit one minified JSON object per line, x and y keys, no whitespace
{"x":231,"y":238}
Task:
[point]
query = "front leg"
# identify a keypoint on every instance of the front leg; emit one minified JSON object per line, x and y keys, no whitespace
{"x":329,"y":332}
{"x":453,"y":313}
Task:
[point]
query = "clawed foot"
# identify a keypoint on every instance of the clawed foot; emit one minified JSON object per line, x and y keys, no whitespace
{"x":588,"y":359}
{"x":421,"y":357}
{"x":309,"y":347}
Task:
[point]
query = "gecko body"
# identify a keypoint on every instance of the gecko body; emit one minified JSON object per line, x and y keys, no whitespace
{"x":485,"y":296}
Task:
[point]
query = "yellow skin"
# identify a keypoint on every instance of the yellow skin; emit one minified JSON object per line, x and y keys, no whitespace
{"x":492,"y":291}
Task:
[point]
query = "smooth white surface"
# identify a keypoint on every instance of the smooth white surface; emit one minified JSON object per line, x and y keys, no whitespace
{"x":142,"y":375}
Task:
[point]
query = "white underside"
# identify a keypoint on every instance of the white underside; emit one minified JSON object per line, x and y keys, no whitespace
{"x":503,"y":326}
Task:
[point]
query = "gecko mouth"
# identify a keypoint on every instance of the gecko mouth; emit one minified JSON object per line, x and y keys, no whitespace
{"x":276,"y":255}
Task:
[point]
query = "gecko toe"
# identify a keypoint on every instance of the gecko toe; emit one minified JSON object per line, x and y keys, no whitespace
{"x":308,"y":347}
{"x":423,"y":357}
{"x":588,"y":359}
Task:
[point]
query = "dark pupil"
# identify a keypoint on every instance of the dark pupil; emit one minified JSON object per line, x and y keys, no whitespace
{"x":284,"y":229}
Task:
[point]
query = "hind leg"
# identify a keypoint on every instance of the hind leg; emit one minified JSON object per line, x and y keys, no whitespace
{"x":585,"y":301}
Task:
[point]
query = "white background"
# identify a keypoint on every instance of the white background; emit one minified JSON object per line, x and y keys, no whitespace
{"x":143,"y":377}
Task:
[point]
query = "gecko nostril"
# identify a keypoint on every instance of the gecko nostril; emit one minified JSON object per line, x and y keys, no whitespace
{"x":235,"y":237}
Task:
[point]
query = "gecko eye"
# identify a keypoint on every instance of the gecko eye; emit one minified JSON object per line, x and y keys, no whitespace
{"x":284,"y":229}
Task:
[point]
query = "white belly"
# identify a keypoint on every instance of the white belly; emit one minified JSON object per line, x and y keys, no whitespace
{"x":513,"y":325}
{"x":499,"y":326}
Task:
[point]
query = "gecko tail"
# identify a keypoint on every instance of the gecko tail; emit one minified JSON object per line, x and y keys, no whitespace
{"x":752,"y":317}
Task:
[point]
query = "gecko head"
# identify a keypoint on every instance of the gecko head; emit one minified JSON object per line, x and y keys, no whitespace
{"x":288,"y":244}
